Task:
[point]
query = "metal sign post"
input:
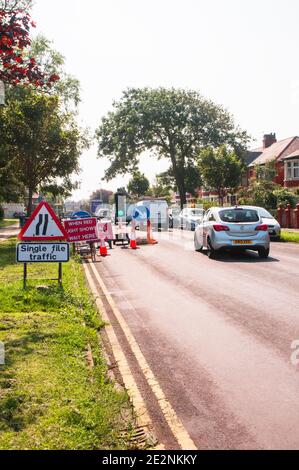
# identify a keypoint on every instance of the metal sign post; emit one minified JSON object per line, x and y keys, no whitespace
{"x":60,"y":274}
{"x":25,"y":276}
{"x":43,"y":253}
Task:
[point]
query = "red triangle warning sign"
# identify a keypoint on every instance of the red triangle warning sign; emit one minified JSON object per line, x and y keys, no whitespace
{"x":43,"y":225}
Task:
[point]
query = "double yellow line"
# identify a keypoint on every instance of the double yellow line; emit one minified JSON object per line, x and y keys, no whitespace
{"x":175,"y":424}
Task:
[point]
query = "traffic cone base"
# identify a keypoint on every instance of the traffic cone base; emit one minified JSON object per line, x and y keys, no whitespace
{"x":103,"y":251}
{"x":133,"y":244}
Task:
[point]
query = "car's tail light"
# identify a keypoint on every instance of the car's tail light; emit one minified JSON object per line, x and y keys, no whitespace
{"x":262,"y":228}
{"x":220,"y":228}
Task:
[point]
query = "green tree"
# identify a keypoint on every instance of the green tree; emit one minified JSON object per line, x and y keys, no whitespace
{"x":221,"y":170}
{"x":260,"y":193}
{"x":266,"y":172}
{"x":101,"y":195}
{"x":41,"y":141}
{"x":193,"y":179}
{"x":52,"y":62}
{"x":173,"y":124}
{"x":138,"y":185}
{"x":59,"y":189}
{"x":63,"y":96}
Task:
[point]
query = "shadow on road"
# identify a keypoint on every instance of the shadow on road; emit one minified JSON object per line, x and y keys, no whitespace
{"x":245,"y":257}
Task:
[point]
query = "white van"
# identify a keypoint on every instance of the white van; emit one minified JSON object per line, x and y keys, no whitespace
{"x":159,"y":214}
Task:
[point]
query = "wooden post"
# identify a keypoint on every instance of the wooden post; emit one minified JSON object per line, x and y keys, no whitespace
{"x":60,"y":274}
{"x":25,"y":276}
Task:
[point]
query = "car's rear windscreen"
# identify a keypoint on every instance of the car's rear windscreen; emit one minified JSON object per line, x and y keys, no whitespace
{"x":236,"y":216}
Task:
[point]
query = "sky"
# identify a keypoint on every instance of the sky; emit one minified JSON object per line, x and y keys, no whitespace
{"x":241,"y":54}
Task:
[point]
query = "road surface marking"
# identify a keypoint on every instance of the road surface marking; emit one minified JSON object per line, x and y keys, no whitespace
{"x":142,"y":416}
{"x":175,"y":424}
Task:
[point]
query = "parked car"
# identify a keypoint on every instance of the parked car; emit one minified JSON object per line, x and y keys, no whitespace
{"x":233,"y":228}
{"x":274,"y":227}
{"x":190,"y":218}
{"x":174,"y":217}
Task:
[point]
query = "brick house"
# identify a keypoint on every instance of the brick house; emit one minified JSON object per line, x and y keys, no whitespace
{"x":285,"y":156}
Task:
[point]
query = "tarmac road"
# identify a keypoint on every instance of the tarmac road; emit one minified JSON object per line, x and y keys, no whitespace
{"x":217,"y":335}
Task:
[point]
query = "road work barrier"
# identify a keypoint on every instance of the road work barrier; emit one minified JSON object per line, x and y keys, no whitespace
{"x":142,"y":214}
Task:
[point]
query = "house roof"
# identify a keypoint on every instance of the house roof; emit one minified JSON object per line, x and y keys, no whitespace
{"x":292,"y":155}
{"x":253,"y":155}
{"x":273,"y":152}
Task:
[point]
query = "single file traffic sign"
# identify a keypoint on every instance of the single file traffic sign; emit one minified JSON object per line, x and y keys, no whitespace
{"x":43,"y":252}
{"x":43,"y":225}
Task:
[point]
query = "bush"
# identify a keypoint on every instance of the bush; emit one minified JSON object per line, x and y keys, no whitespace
{"x":207,"y":204}
{"x":1,"y":213}
{"x":267,"y":194}
{"x":285,"y":197}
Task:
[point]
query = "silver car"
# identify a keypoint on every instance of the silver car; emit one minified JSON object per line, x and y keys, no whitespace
{"x":274,"y":227}
{"x":232,"y":229}
{"x":189,"y":218}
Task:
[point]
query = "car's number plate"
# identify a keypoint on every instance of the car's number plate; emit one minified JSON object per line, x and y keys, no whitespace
{"x":242,"y":242}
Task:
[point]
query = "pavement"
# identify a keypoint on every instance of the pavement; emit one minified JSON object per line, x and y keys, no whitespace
{"x":9,"y":232}
{"x":217,"y":336}
{"x":295,"y":230}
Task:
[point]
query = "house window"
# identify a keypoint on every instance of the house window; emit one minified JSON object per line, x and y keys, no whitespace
{"x":292,"y":170}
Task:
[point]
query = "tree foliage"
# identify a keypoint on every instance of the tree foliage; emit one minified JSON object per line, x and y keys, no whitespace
{"x":221,"y":170}
{"x":173,"y":124}
{"x":138,"y":185}
{"x":52,"y":62}
{"x":40,"y":142}
{"x":265,"y":193}
{"x":17,"y":66}
{"x":101,"y":195}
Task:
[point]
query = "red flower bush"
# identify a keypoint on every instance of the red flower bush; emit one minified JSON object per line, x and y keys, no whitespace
{"x":16,"y":67}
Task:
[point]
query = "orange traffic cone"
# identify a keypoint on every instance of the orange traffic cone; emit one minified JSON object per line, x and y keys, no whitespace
{"x":150,"y":240}
{"x":133,"y":242}
{"x":103,"y":248}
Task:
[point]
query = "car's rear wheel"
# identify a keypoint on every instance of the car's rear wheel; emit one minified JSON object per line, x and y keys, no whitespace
{"x":198,"y":247}
{"x":211,"y":252}
{"x":263,"y":253}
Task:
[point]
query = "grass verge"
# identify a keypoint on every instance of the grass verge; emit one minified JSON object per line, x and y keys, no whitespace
{"x":287,"y":236}
{"x":7,"y":223}
{"x":49,"y":397}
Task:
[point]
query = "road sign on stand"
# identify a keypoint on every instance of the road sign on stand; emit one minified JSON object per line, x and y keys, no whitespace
{"x":43,"y":253}
{"x":43,"y":225}
{"x":82,"y":230}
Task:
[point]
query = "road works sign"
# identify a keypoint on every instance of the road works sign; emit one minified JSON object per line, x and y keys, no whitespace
{"x":43,"y":252}
{"x":82,"y":230}
{"x":106,"y":229}
{"x":43,"y":225}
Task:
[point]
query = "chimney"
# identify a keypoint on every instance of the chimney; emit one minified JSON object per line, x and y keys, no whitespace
{"x":269,"y":139}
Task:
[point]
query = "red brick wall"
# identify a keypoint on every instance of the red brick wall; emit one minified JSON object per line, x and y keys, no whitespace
{"x":291,"y":184}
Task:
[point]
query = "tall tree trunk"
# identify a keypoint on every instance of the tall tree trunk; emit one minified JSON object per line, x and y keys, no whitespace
{"x":30,"y":202}
{"x":179,"y":174}
{"x":182,"y":191}
{"x":220,"y":197}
